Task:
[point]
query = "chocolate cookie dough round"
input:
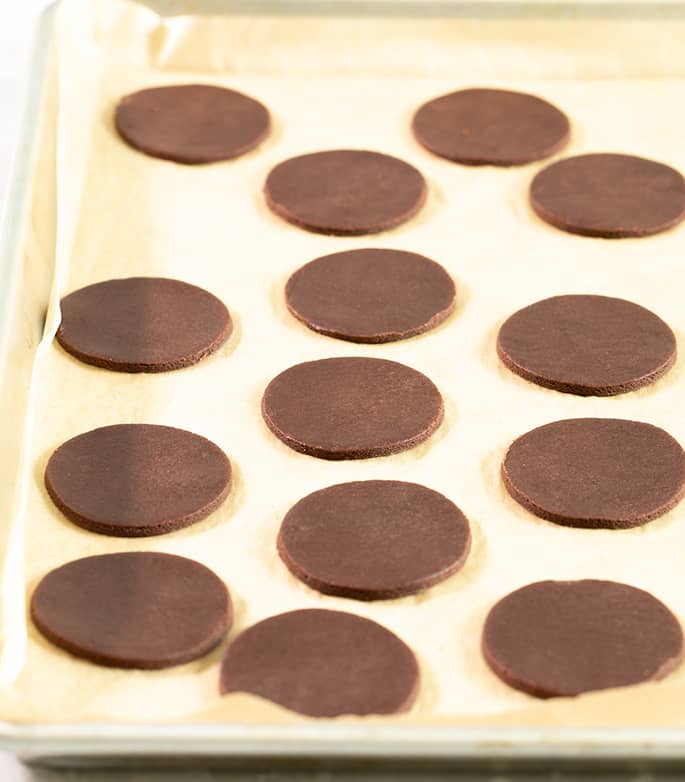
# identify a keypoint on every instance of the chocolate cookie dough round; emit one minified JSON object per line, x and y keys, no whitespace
{"x":323,"y":664}
{"x":142,"y":324}
{"x":587,"y":345}
{"x":564,"y":638}
{"x":351,"y":408}
{"x":348,"y":192}
{"x":371,"y":295}
{"x":191,"y":123}
{"x":596,"y":472}
{"x":374,"y":540}
{"x":479,"y":127}
{"x":139,"y":609}
{"x":609,"y":195}
{"x":137,"y":480}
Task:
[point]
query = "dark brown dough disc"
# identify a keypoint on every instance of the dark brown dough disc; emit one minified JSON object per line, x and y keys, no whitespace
{"x":348,"y":192}
{"x":191,"y":123}
{"x":136,"y":480}
{"x":587,"y":345}
{"x":374,"y":540}
{"x":611,"y":196}
{"x":142,"y":324}
{"x":563,"y":638}
{"x":596,"y":472}
{"x":323,"y":664}
{"x":371,"y":295}
{"x":351,"y":408}
{"x":133,"y":610}
{"x":479,"y":127}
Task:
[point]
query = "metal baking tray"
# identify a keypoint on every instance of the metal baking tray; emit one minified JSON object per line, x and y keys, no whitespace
{"x":324,"y":744}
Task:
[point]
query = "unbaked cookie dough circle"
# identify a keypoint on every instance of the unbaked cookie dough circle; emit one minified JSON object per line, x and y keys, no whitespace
{"x":352,"y":407}
{"x":587,"y":345}
{"x":374,"y":540}
{"x":191,"y":123}
{"x":323,"y":664}
{"x":596,"y":472}
{"x":564,"y":638}
{"x":346,"y":192}
{"x":142,"y":324}
{"x":609,"y":195}
{"x":137,"y":480}
{"x":133,"y":610}
{"x":371,"y":295}
{"x":479,"y":127}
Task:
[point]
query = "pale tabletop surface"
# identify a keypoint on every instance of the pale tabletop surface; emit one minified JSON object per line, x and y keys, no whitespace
{"x":16,"y":33}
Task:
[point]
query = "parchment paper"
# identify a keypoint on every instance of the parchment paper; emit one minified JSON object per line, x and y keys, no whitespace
{"x":332,"y":83}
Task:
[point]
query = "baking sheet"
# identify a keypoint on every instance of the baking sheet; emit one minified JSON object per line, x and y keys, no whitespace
{"x":120,"y":213}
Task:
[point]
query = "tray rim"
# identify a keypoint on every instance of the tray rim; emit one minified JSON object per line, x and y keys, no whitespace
{"x":493,"y":9}
{"x":334,"y":739}
{"x":345,"y":741}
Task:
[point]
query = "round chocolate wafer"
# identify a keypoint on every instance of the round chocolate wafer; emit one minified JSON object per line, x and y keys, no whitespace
{"x":348,"y":192}
{"x":596,"y":472}
{"x":136,"y":480}
{"x":323,"y":664}
{"x":479,"y":126}
{"x":563,"y":638}
{"x":191,"y":123}
{"x":587,"y":345}
{"x":351,"y":408}
{"x":139,"y":609}
{"x":609,"y":195}
{"x":374,"y":540}
{"x":142,"y":324}
{"x":371,"y":295}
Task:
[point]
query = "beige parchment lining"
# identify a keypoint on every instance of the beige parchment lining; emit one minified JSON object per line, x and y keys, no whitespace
{"x":332,"y":83}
